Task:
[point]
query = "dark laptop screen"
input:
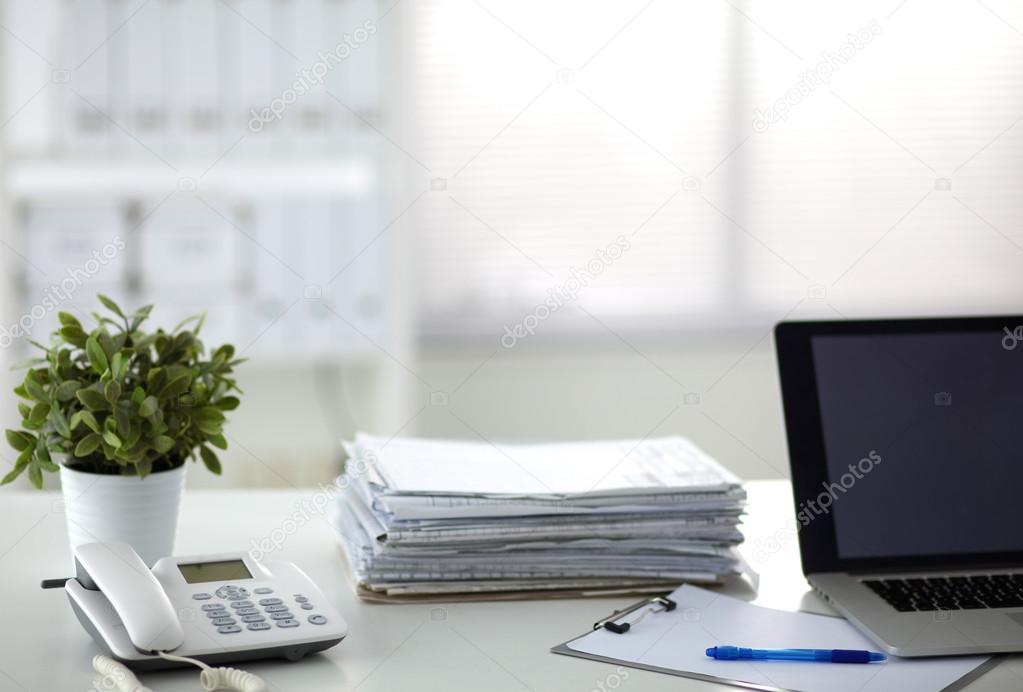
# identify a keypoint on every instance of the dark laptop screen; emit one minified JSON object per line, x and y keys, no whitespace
{"x":932,"y":425}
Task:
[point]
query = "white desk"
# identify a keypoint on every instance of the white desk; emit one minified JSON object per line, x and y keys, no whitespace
{"x":458,"y":646}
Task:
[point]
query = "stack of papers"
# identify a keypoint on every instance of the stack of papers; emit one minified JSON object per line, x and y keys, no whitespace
{"x":419,"y":517}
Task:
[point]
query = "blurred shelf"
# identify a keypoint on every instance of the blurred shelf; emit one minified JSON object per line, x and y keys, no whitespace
{"x":28,"y":179}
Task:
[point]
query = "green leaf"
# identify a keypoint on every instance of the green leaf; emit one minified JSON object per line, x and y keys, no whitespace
{"x":123,"y":420}
{"x":60,"y":423}
{"x":198,"y":319}
{"x":112,"y":391}
{"x":19,"y":466}
{"x":34,"y":389}
{"x":39,"y":413}
{"x":138,"y":396}
{"x":74,"y":335}
{"x":20,"y":440}
{"x":22,"y":392}
{"x":92,"y":399}
{"x":87,"y":445}
{"x":218,"y":441}
{"x":143,"y":467}
{"x":149,"y":406}
{"x":118,"y":366}
{"x":68,"y":320}
{"x":176,"y":387}
{"x":90,"y":421}
{"x":209,"y":457}
{"x":163,"y":444}
{"x":227,"y":403}
{"x":210,"y":414}
{"x":112,"y":439}
{"x":24,"y":409}
{"x":66,"y":390}
{"x":97,"y":357}
{"x":140,"y":316}
{"x":110,"y":305}
{"x":35,"y":476}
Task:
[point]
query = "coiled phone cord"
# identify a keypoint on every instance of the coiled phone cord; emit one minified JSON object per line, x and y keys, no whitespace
{"x":210,"y":678}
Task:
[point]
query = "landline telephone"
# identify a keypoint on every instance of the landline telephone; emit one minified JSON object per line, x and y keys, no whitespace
{"x":202,"y":610}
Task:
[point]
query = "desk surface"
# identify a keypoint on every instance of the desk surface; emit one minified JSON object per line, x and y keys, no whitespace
{"x":457,"y":646}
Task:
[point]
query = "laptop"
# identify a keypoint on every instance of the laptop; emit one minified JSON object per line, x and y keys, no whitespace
{"x":906,"y":447}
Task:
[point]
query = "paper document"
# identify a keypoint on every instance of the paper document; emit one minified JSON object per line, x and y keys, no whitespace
{"x":676,"y":642}
{"x":421,"y":516}
{"x":565,"y":468}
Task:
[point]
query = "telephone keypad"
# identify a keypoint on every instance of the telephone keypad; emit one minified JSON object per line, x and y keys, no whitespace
{"x":281,"y":616}
{"x":256,"y":626}
{"x":212,"y":606}
{"x":232,"y":593}
{"x":242,"y":604}
{"x":247,"y":611}
{"x":287,"y":623}
{"x":229,"y":629}
{"x":276,"y":609}
{"x":253,"y":618}
{"x":224,"y":621}
{"x":212,"y":614}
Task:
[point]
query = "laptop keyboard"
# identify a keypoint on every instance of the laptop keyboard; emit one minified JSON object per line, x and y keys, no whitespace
{"x":950,"y":593}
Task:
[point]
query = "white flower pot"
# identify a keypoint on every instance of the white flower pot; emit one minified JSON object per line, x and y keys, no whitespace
{"x":142,"y":512}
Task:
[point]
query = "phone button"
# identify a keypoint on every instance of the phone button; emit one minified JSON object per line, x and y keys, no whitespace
{"x":287,"y":623}
{"x":211,"y":614}
{"x":242,"y":604}
{"x":277,"y":609}
{"x":269,"y":601}
{"x":253,"y":618}
{"x":281,"y":616}
{"x":263,"y":589}
{"x":256,"y":626}
{"x":229,"y":629}
{"x":247,"y":611}
{"x":223,"y":621}
{"x":307,"y":606}
{"x":232,"y":593}
{"x":212,"y":606}
{"x":299,"y":598}
{"x":317,"y":620}
{"x":203,"y":596}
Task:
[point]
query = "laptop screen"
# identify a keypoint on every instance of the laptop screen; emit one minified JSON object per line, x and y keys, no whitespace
{"x":923,"y":438}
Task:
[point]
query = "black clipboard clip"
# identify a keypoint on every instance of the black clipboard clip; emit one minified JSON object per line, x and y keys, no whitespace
{"x":657,"y":604}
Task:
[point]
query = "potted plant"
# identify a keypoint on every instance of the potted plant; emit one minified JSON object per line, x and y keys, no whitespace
{"x":118,"y":411}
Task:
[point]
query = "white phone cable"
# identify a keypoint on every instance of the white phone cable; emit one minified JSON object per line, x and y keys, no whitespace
{"x":210,"y":678}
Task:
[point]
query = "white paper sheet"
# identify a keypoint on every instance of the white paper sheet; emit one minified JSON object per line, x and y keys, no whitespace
{"x":412,"y":465}
{"x":678,"y":640}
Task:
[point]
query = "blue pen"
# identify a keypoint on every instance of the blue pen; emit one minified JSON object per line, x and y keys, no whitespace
{"x":735,"y":653}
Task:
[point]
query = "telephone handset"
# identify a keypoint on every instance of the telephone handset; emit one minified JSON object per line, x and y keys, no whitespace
{"x":214,"y":608}
{"x":115,"y":570}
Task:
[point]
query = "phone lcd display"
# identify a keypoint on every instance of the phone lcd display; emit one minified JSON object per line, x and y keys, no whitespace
{"x":228,"y":570}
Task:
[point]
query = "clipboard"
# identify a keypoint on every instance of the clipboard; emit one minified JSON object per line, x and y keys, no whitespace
{"x":646,"y":611}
